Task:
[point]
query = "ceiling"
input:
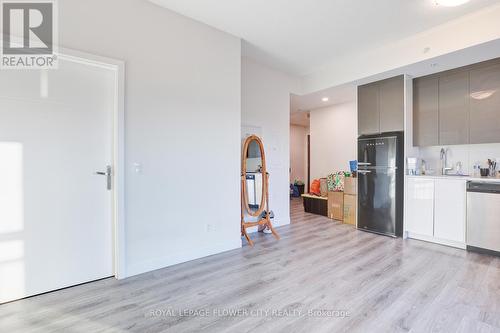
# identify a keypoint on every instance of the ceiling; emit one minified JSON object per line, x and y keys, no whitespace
{"x":347,"y":92}
{"x":300,"y":36}
{"x":336,"y":95}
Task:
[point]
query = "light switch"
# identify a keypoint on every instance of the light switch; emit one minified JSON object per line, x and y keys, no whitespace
{"x":138,"y":168}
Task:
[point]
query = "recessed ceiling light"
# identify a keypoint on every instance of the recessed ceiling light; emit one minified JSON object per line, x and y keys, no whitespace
{"x":325,"y":99}
{"x":450,"y":3}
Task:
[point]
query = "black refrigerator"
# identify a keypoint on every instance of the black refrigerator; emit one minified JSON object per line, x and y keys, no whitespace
{"x":381,"y":183}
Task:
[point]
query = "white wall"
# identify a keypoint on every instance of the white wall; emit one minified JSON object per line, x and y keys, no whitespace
{"x":182,"y":122}
{"x":473,"y":29}
{"x":265,"y":105}
{"x":334,"y":133}
{"x":298,"y":153}
{"x":467,"y":154}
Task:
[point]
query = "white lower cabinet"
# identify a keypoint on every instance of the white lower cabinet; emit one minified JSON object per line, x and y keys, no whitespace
{"x":436,"y":210}
{"x":450,"y":209}
{"x":420,"y":206}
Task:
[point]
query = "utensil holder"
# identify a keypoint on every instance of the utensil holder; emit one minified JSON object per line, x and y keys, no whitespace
{"x":485,"y":172}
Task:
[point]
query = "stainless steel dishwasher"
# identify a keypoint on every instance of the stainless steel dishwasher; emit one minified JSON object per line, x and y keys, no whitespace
{"x":483,"y":217}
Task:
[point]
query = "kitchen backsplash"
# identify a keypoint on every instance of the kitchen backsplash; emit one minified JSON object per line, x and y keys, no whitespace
{"x":469,"y":155}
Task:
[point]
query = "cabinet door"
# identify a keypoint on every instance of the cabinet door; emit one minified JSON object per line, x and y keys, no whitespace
{"x":454,"y":109}
{"x":450,"y":209}
{"x":392,"y":104}
{"x":420,"y":206}
{"x":485,"y":105}
{"x":368,"y":109}
{"x":425,"y":112}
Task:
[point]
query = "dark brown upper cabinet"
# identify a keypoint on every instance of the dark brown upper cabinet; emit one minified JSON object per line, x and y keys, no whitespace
{"x":392,"y":104}
{"x":425,"y":112}
{"x":368,"y":109}
{"x":381,"y":106}
{"x":485,"y":104}
{"x":454,"y":109}
{"x":459,"y":106}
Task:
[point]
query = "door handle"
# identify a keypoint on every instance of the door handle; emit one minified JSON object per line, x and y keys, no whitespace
{"x":108,"y":175}
{"x":363,"y":172}
{"x":364,"y":163}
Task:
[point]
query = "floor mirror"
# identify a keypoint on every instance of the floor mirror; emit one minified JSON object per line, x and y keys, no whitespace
{"x":255,"y":210}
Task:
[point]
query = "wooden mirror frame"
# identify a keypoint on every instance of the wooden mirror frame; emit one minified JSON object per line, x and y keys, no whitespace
{"x":264,"y":202}
{"x":246,"y":145}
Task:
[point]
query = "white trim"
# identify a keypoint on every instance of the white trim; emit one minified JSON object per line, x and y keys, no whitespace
{"x":183,"y":256}
{"x":118,"y":158}
{"x":435,"y":240}
{"x":120,"y":259}
{"x":281,"y":222}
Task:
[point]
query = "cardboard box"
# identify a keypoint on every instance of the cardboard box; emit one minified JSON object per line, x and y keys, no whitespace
{"x":351,"y":185}
{"x":336,"y":205}
{"x":350,"y":208}
{"x":323,"y":188}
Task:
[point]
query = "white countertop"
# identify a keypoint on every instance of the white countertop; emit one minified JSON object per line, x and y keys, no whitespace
{"x":464,"y":178}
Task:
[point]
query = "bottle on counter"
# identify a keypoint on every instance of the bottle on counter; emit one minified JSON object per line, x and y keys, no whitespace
{"x":477,"y":171}
{"x":422,"y":167}
{"x":458,"y":168}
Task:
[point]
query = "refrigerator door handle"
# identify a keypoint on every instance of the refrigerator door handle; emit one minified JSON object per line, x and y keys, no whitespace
{"x":363,"y":172}
{"x":379,"y":168}
{"x":364,"y":163}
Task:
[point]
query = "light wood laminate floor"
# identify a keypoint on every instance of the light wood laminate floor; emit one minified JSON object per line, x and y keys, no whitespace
{"x":320,"y":277}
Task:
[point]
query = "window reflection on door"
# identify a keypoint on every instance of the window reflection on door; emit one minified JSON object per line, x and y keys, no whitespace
{"x":11,"y":219}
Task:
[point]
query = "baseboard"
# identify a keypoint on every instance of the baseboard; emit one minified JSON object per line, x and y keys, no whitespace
{"x":180,"y":257}
{"x":483,"y":251}
{"x":439,"y":241}
{"x":281,"y":222}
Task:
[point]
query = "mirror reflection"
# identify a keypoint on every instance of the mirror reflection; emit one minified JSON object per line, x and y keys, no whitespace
{"x":254,"y":176}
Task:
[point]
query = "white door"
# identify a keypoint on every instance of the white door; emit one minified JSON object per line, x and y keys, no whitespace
{"x":56,"y":131}
{"x":419,"y":207}
{"x":450,"y":209}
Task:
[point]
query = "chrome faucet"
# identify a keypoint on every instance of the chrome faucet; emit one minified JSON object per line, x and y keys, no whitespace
{"x":444,"y":161}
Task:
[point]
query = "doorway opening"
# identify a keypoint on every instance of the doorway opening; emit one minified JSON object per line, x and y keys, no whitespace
{"x":299,"y":157}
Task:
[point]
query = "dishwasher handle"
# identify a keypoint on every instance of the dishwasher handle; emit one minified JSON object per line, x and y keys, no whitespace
{"x":483,"y":187}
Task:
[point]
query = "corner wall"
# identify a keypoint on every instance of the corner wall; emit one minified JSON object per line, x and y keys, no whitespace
{"x":265,"y":106}
{"x":334,"y":133}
